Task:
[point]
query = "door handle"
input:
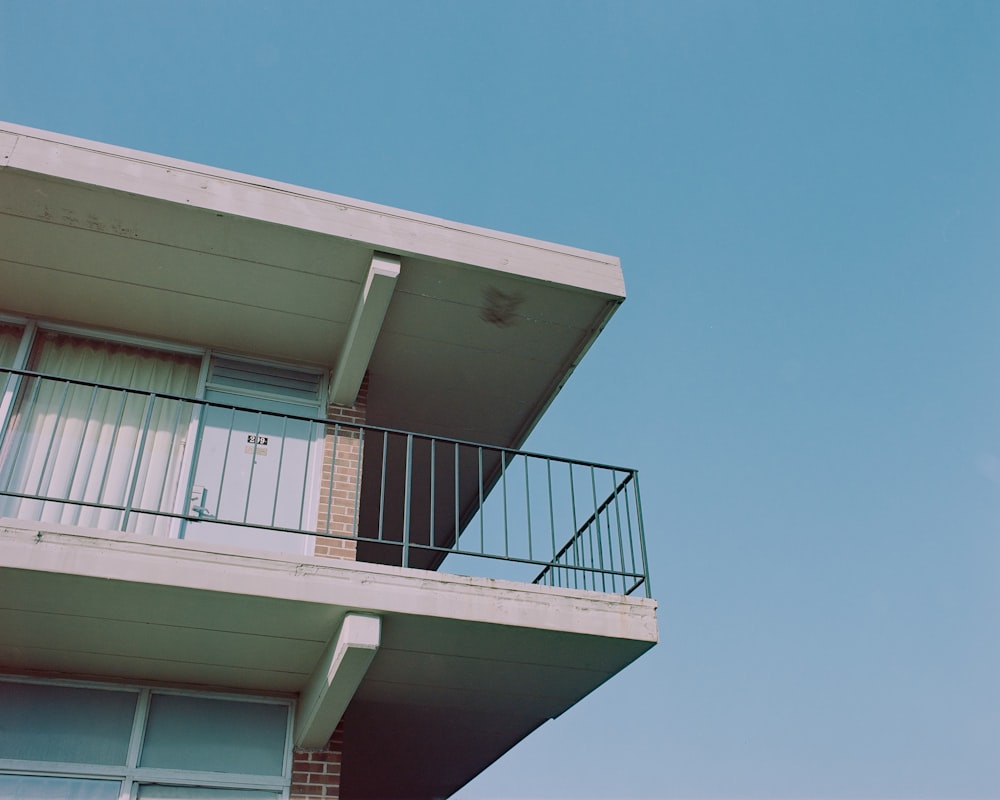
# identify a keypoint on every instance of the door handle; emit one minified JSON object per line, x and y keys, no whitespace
{"x":198,"y":508}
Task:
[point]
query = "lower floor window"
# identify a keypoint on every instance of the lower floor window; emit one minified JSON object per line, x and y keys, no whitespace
{"x":39,"y":787}
{"x":109,"y":742}
{"x":149,"y":792}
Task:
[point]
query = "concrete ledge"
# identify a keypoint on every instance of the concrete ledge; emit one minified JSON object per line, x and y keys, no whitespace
{"x":374,"y":588}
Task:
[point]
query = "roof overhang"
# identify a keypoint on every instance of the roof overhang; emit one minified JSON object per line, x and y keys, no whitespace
{"x":471,"y":338}
{"x":454,"y":672}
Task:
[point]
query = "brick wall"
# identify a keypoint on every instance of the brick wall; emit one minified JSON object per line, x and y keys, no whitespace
{"x":338,"y":506}
{"x":316,"y":773}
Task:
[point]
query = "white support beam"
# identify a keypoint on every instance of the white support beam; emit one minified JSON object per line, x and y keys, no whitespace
{"x":365,"y":326}
{"x":332,"y":684}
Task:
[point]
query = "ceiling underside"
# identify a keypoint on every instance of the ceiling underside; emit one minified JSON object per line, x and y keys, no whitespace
{"x":465,"y":352}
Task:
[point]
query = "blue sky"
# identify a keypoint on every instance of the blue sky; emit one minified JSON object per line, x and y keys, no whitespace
{"x":806,"y":200}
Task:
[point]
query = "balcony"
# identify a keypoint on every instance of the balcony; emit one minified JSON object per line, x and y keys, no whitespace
{"x":112,"y":458}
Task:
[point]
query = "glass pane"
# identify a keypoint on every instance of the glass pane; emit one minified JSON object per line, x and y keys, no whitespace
{"x":39,"y":722}
{"x":281,"y":381}
{"x":10,"y":339}
{"x":33,"y":787}
{"x":210,"y":735}
{"x":153,"y":792}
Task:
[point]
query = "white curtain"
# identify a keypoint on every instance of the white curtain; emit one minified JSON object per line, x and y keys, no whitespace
{"x":79,"y":443}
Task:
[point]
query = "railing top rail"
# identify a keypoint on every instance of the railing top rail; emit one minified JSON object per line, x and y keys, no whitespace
{"x":318,"y":420}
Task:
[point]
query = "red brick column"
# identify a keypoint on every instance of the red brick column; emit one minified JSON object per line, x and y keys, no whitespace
{"x":341,"y":480}
{"x":316,"y":773}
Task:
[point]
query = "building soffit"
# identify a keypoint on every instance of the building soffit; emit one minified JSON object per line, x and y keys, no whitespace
{"x":469,"y":333}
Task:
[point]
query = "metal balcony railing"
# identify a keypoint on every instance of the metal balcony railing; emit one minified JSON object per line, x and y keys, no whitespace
{"x":104,"y":456}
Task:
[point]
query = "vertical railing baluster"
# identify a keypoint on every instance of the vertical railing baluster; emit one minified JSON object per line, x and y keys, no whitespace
{"x":114,"y":446}
{"x":150,"y":400}
{"x":277,"y":480}
{"x":357,"y":484}
{"x":482,"y":530}
{"x":333,"y":473}
{"x":173,"y":444}
{"x":576,"y":531}
{"x":83,"y":437}
{"x":552,"y":520}
{"x":253,"y":464}
{"x":406,"y":499}
{"x":306,"y":463}
{"x":618,"y":525}
{"x":590,"y":573}
{"x":611,"y":549}
{"x":430,"y":532}
{"x":628,"y":523}
{"x":597,"y":523}
{"x":503,"y":481}
{"x":381,"y":496}
{"x":225,"y":463}
{"x":52,"y":438}
{"x":458,"y":520}
{"x":527,"y":507}
{"x":642,"y":536}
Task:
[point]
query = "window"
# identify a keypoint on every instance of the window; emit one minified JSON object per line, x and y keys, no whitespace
{"x":87,"y":741}
{"x":79,"y":442}
{"x":38,"y":787}
{"x":155,"y":792}
{"x":42,"y":722}
{"x":10,"y":340}
{"x":213,"y":735}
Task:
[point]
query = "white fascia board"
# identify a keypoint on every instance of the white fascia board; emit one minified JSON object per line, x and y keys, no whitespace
{"x":380,"y":227}
{"x":7,"y":142}
{"x":362,"y":587}
{"x":335,"y":680}
{"x":366,"y":324}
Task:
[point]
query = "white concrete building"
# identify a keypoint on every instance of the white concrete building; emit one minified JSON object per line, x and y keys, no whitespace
{"x":264,"y":529}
